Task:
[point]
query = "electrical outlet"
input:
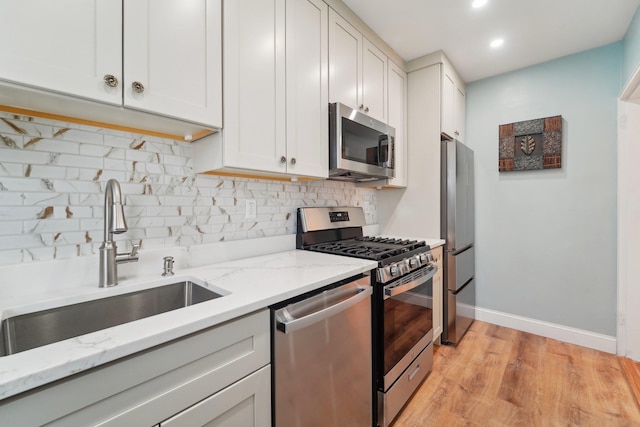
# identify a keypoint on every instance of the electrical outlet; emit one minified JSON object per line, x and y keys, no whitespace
{"x":251,"y":209}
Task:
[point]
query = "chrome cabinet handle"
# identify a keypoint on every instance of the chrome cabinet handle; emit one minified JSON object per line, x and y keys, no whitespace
{"x":110,"y":80}
{"x":457,"y":133}
{"x":137,"y":87}
{"x":283,"y":159}
{"x":293,"y":160}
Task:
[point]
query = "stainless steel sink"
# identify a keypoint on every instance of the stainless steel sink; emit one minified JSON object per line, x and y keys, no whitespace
{"x":31,"y":330}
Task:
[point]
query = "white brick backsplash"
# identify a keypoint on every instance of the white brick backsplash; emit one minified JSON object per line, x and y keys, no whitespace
{"x":12,"y":213}
{"x":53,"y":145}
{"x":11,"y":169}
{"x":11,"y":126}
{"x":8,"y":228}
{"x":23,"y":241}
{"x":52,"y":193}
{"x":79,"y":135}
{"x":9,"y":155}
{"x":12,"y":256}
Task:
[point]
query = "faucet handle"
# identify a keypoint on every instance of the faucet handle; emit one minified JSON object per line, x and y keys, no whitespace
{"x":168,"y":266}
{"x":134,"y":250}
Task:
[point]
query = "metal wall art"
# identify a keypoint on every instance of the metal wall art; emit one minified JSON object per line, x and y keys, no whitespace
{"x":530,"y":145}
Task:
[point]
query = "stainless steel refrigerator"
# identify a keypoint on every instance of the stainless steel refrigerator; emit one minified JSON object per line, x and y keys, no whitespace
{"x":457,"y":228}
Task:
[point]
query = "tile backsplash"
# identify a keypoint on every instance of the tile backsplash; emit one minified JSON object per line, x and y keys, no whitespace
{"x":52,"y":179}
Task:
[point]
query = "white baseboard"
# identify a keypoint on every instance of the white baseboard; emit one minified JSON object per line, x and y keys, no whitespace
{"x":568,"y":334}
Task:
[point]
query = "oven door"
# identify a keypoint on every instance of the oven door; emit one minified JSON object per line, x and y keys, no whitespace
{"x":408,"y":321}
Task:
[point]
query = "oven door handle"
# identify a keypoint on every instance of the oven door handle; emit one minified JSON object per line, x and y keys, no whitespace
{"x":290,"y":326}
{"x":393,"y":290}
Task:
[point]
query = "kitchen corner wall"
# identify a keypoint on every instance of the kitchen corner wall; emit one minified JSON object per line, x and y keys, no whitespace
{"x":546,"y":240}
{"x":52,"y":179}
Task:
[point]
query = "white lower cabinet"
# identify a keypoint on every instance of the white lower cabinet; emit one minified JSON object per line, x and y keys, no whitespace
{"x":220,"y":375}
{"x":245,"y":403}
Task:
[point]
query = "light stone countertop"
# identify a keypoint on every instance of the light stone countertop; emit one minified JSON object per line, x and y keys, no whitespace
{"x":248,"y":284}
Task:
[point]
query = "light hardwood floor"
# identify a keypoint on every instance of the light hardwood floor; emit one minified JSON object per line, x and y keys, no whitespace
{"x":502,"y":377}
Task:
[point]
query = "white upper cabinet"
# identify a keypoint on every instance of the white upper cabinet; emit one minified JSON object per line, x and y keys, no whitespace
{"x":345,"y":62}
{"x":398,"y":120}
{"x":253,"y":58}
{"x":459,"y":115}
{"x":374,"y":81}
{"x":307,"y":90}
{"x":357,"y":69}
{"x":275,"y":91}
{"x":165,"y":60}
{"x":452,"y":103}
{"x":172,"y":51}
{"x":66,"y":46}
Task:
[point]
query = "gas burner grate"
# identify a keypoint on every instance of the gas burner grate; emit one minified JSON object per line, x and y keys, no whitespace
{"x":374,"y":248}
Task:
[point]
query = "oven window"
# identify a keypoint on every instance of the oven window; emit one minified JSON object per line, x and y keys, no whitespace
{"x":364,"y":144}
{"x":408,"y":317}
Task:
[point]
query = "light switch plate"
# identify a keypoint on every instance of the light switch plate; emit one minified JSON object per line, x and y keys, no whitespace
{"x":251,"y":209}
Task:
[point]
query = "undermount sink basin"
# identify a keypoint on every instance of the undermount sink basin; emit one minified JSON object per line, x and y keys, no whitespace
{"x":31,"y":330}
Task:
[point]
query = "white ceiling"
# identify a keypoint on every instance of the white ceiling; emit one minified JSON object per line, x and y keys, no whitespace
{"x":534,"y":31}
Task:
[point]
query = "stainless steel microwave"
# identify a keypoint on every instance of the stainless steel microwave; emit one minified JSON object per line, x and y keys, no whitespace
{"x":361,"y":148}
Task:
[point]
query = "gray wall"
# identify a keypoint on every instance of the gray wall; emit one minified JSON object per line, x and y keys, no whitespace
{"x":546,"y":240}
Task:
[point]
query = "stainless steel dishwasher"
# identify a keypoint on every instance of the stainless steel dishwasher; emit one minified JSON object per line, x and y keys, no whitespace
{"x":322,"y":369}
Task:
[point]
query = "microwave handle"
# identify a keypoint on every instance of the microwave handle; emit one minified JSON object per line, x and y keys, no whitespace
{"x":389,"y":162}
{"x":390,"y":151}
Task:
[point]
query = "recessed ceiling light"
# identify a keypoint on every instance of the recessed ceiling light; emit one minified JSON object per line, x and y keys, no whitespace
{"x":478,"y":3}
{"x":497,"y":43}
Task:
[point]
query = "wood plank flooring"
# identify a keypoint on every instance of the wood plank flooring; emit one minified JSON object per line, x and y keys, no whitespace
{"x":502,"y":377}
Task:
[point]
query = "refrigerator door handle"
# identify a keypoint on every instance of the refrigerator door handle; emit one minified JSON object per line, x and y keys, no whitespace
{"x":456,"y":251}
{"x":461,"y":288}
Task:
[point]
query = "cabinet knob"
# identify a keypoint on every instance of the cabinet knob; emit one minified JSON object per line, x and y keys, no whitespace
{"x":457,"y":133}
{"x":137,"y":87}
{"x":110,"y":80}
{"x":293,"y":160}
{"x":283,"y":159}
{"x":366,"y":110}
{"x":361,"y":107}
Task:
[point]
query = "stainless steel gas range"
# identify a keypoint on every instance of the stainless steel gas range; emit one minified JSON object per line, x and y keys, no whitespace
{"x":402,"y":310}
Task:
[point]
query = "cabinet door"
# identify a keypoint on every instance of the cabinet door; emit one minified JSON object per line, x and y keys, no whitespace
{"x":345,"y":61}
{"x":245,"y":403}
{"x":374,"y":81}
{"x":397,"y":118}
{"x":173,"y":49}
{"x":459,"y":114}
{"x":66,"y":46}
{"x":254,"y":95}
{"x":448,"y":96}
{"x":307,"y":88}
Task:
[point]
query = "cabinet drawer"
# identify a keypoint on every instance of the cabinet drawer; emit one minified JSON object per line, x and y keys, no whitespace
{"x":151,"y":386}
{"x":245,"y":403}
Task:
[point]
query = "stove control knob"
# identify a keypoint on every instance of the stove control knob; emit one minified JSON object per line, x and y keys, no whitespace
{"x":413,"y":263}
{"x":393,"y":270}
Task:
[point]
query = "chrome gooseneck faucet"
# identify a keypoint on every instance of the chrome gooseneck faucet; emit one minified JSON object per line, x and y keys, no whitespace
{"x":114,"y":223}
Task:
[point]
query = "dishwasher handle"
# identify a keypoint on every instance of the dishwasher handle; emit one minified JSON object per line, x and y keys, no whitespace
{"x":290,"y":326}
